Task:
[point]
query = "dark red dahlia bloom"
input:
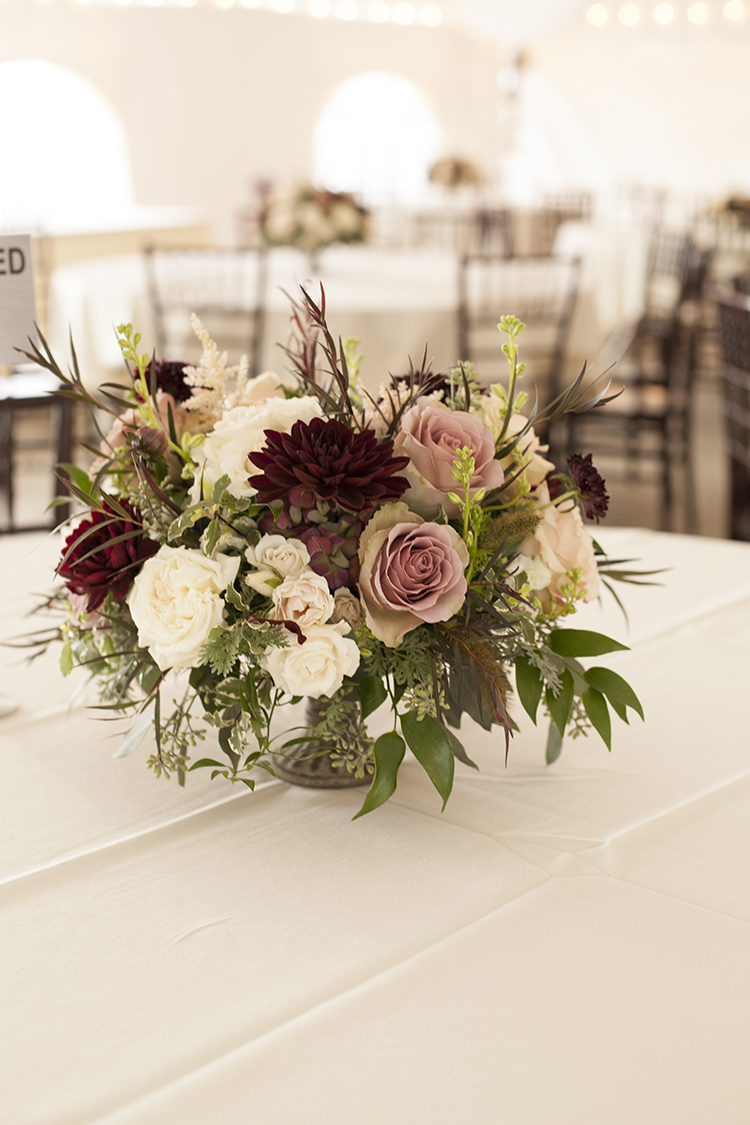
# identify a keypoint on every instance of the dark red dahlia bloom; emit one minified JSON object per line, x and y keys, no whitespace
{"x":590,"y":484}
{"x":169,"y":378}
{"x":104,"y":553}
{"x":354,"y":471}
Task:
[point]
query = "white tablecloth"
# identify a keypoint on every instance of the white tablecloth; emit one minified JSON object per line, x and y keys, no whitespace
{"x":565,"y":944}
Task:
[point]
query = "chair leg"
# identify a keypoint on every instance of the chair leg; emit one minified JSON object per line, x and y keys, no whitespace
{"x":64,"y":456}
{"x":6,"y":457}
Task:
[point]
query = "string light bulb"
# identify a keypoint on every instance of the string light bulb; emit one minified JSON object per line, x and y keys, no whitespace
{"x":629,"y":15}
{"x":663,"y":13}
{"x":597,"y":15}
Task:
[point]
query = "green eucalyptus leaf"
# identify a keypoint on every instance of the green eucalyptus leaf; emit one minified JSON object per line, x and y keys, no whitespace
{"x":66,"y":658}
{"x":583,"y":642}
{"x":431,"y":746}
{"x":135,"y":736}
{"x":614,"y":687}
{"x":529,"y":685}
{"x":561,"y":705}
{"x":389,"y":752}
{"x":372,"y":693}
{"x":596,"y":708}
{"x":554,"y":744}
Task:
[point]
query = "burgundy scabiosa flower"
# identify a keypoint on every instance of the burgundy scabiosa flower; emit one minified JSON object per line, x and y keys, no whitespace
{"x":104,"y":553}
{"x":354,"y":471}
{"x":587,"y":481}
{"x":169,"y":378}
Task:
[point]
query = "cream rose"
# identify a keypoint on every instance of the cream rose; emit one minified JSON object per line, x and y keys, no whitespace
{"x":316,"y":667}
{"x":275,"y":556}
{"x":176,"y":601}
{"x":257,"y":391}
{"x":430,"y":436}
{"x":240,"y":431}
{"x":305,"y":599}
{"x":563,"y":544}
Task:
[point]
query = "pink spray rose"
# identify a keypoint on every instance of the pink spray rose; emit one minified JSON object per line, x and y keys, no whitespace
{"x":411,"y":572}
{"x":430,"y":436}
{"x":563,"y":543}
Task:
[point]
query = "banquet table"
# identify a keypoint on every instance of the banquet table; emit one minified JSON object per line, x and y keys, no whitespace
{"x":563,"y":944}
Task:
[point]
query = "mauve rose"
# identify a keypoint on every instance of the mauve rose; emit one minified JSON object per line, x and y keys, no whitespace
{"x":430,"y":436}
{"x":563,"y":544}
{"x":411,"y":572}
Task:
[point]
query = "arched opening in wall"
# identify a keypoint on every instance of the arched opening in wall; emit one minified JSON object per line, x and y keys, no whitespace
{"x":377,"y":137}
{"x":66,"y":149}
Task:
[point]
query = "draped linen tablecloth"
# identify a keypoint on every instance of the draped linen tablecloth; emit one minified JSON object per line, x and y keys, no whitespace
{"x":563,"y":944}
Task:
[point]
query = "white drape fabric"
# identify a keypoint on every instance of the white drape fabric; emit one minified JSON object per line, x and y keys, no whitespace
{"x":565,"y":943}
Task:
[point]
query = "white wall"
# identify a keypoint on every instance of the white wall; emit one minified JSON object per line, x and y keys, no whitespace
{"x":667,"y":106}
{"x":214,"y":99}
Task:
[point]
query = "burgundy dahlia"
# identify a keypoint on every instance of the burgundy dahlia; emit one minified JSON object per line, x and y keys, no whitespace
{"x":354,"y":471}
{"x":104,"y":553}
{"x":588,"y":482}
{"x":169,"y":378}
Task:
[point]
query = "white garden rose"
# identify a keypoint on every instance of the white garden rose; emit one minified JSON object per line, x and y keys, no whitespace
{"x":316,"y":667}
{"x":241,"y":431}
{"x":176,"y":601}
{"x":305,"y":599}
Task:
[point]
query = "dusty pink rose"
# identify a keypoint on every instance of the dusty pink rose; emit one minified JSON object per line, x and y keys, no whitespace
{"x":430,"y":436}
{"x":563,"y":544}
{"x":410,"y":572}
{"x":132,"y":420}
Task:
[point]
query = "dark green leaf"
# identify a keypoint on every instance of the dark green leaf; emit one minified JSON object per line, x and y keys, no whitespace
{"x":596,"y":708}
{"x":614,"y":687}
{"x":372,"y":693}
{"x":431,"y":746}
{"x":389,"y":753}
{"x":458,"y":750}
{"x":529,"y":685}
{"x":582,"y":642}
{"x":554,"y":744}
{"x":561,"y":705}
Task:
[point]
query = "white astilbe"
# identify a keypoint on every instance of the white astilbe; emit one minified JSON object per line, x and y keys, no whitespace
{"x":209,"y":380}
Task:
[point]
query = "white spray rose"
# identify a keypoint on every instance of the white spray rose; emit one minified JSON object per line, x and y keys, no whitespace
{"x":305,"y":599}
{"x":241,"y":431}
{"x":538,"y":574}
{"x":316,"y":667}
{"x":176,"y":601}
{"x":275,"y":556}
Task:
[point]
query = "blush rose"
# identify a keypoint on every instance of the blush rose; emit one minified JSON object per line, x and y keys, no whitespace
{"x":431,"y":434}
{"x":563,"y":544}
{"x":410,"y":572}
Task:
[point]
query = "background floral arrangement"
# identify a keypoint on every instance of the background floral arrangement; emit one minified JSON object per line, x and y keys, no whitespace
{"x":272,"y":542}
{"x":453,"y":172}
{"x":311,"y":219}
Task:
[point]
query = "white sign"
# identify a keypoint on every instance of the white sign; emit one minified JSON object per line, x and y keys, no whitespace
{"x":17,"y":304}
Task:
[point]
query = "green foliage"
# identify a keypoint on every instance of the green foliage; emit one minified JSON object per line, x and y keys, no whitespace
{"x":582,"y":642}
{"x":388,"y":752}
{"x":224,"y":647}
{"x":431,"y":746}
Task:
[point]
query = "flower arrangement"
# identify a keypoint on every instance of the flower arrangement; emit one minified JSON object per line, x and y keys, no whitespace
{"x":452,"y":172}
{"x":271,"y":540}
{"x":310,"y":219}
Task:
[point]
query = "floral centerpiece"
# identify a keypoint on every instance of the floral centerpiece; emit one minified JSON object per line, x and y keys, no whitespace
{"x":310,"y":219}
{"x":269,"y":541}
{"x":453,"y":172}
